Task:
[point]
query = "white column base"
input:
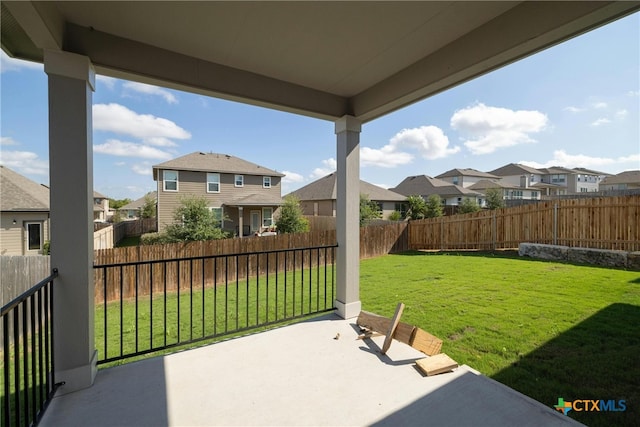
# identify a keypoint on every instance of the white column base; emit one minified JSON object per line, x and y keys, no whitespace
{"x":349,"y":310}
{"x":77,"y":378}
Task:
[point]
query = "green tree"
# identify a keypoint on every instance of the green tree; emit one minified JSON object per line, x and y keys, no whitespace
{"x":494,"y":198}
{"x":291,"y":219}
{"x":468,"y":205}
{"x":416,"y":207}
{"x":395,"y":216}
{"x":117,"y":217}
{"x":148,"y":209}
{"x":369,"y":210}
{"x":117,"y":204}
{"x":194,"y":221}
{"x":433,"y":207}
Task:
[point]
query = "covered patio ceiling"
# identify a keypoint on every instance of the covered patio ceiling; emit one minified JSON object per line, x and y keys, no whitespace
{"x":320,"y":59}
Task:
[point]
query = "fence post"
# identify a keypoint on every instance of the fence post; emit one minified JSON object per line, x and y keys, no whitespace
{"x":494,"y":231}
{"x":555,"y":223}
{"x":441,"y":233}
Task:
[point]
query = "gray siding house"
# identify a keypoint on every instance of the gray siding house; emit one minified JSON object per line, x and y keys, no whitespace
{"x":24,"y":214}
{"x":244,"y":196}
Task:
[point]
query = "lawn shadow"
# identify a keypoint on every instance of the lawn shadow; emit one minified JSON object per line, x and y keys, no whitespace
{"x":597,"y":359}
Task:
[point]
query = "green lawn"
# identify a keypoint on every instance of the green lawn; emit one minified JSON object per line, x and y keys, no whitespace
{"x":218,"y":312}
{"x":546,"y":329}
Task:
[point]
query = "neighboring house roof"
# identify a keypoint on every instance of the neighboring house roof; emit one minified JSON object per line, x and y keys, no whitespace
{"x":485,"y":184}
{"x":466,"y":172}
{"x":425,"y":186}
{"x":138,"y":203}
{"x":256,"y":200}
{"x":513,"y":169}
{"x":626,"y":177}
{"x":558,"y":170}
{"x":325,"y":189}
{"x":97,"y":195}
{"x":592,"y":172}
{"x":214,"y":162}
{"x":19,"y":193}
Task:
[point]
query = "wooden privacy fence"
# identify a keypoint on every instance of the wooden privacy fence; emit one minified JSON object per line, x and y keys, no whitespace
{"x":374,"y":241}
{"x":601,"y":223}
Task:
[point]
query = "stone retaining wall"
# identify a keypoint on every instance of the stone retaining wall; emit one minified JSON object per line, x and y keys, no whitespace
{"x":602,"y":257}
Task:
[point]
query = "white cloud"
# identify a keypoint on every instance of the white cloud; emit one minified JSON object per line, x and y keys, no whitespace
{"x":142,"y":168}
{"x":561,"y":158}
{"x":621,"y":114}
{"x":291,"y":177}
{"x":429,"y":141}
{"x":601,"y":121}
{"x":634,"y":93}
{"x":24,"y":162}
{"x":120,"y":163}
{"x":109,"y":82}
{"x":151,"y":90}
{"x":7,"y":140}
{"x":329,"y":167}
{"x":385,"y":157}
{"x":599,"y":105}
{"x":115,"y":147}
{"x":8,"y":63}
{"x":574,"y":109}
{"x":152,"y":130}
{"x":492,"y":128}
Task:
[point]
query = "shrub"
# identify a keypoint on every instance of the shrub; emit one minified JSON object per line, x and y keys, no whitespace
{"x":291,"y":219}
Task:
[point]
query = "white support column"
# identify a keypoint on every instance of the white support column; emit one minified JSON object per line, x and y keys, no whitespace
{"x":240,"y":221}
{"x":71,"y":85}
{"x":347,"y":302}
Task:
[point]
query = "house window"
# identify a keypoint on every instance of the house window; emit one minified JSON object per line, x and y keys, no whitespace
{"x":267,"y":217}
{"x":170,"y":180}
{"x":455,"y":180}
{"x":34,"y":236}
{"x":534,"y":194}
{"x":402,"y":208}
{"x":239,"y":180}
{"x":213,"y":183}
{"x":217,"y":214}
{"x":266,"y":182}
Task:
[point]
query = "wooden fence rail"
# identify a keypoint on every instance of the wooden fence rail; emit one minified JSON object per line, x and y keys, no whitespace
{"x":374,"y":241}
{"x":602,"y":223}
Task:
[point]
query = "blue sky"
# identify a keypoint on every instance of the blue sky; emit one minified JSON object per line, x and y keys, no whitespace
{"x":575,"y":105}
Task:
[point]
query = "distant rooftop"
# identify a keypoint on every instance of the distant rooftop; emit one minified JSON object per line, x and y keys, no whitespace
{"x":214,"y":162}
{"x":325,"y":189}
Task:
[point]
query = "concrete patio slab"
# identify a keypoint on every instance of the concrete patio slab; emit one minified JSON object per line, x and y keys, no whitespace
{"x":298,"y":375}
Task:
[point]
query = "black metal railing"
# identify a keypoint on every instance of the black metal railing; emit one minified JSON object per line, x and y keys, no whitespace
{"x":147,"y":306}
{"x":28,"y":380}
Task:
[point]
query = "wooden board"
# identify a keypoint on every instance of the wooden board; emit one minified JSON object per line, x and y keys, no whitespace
{"x":425,"y":342}
{"x":381,"y":325}
{"x":392,"y":328}
{"x":436,"y":364}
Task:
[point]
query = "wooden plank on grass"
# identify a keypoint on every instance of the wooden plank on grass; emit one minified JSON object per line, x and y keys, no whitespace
{"x":436,"y":364}
{"x":425,"y":342}
{"x":392,"y":328}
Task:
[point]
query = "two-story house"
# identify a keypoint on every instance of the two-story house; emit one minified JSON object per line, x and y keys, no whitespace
{"x":425,"y":186}
{"x":572,"y":181}
{"x":101,"y":211}
{"x":522,"y":182}
{"x":319,"y":197}
{"x":465,"y":177}
{"x":627,"y":180}
{"x":24,"y":214}
{"x":510,"y":192}
{"x":243,"y":195}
